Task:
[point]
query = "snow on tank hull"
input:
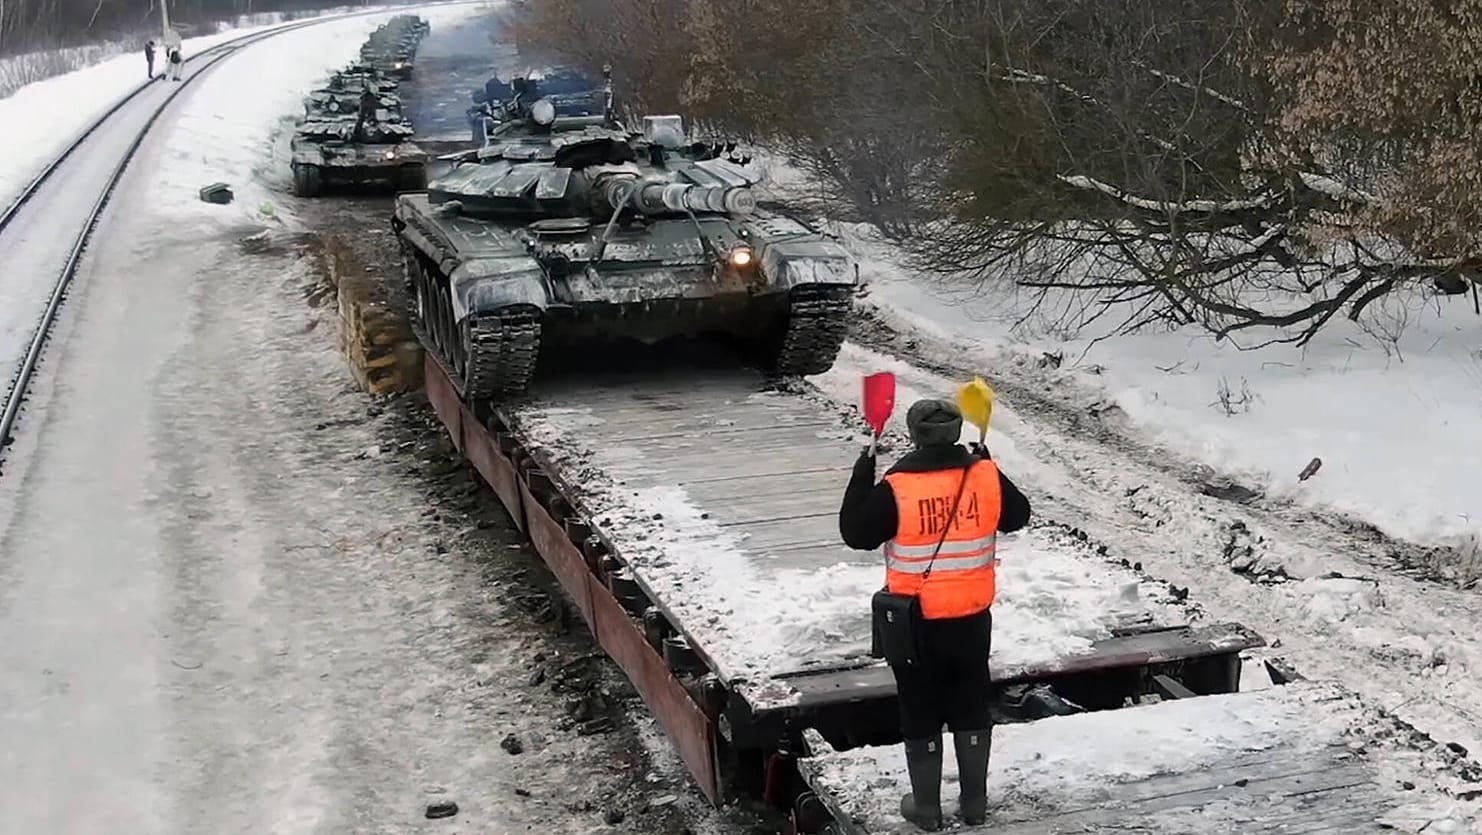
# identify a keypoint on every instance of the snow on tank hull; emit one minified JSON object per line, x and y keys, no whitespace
{"x":490,"y":294}
{"x":327,"y":103}
{"x":323,"y":165}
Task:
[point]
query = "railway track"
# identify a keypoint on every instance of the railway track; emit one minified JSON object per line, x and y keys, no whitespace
{"x":87,"y":166}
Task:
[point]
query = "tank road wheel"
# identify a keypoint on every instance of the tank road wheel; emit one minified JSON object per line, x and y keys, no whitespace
{"x":412,"y":177}
{"x":431,"y":317}
{"x":412,"y":282}
{"x":442,"y":319}
{"x":308,"y":180}
{"x":500,"y":353}
{"x":808,"y":339}
{"x":489,"y":357}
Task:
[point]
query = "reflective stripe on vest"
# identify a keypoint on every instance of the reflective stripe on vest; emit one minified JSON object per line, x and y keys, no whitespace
{"x":962,"y":580}
{"x":953,"y":556}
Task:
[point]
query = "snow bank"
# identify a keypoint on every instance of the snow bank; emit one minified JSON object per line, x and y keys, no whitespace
{"x":1395,"y":425}
{"x":43,"y":118}
{"x":1074,"y":763}
{"x":245,"y":144}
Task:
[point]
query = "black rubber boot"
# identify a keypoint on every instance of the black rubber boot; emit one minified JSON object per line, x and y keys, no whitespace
{"x":973,"y":748}
{"x":923,"y":806}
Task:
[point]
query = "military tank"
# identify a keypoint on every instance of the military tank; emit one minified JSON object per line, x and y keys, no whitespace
{"x":575,"y":227}
{"x":359,"y":77}
{"x":328,"y":152}
{"x":570,"y":91}
{"x":392,"y":47}
{"x":334,"y":102}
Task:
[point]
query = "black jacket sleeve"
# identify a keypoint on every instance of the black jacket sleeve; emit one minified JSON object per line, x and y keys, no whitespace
{"x":1014,"y":512}
{"x":1014,"y":505}
{"x":867,"y":518}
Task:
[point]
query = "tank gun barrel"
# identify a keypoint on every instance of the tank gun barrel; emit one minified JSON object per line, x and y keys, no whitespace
{"x":665,"y":197}
{"x":659,"y":197}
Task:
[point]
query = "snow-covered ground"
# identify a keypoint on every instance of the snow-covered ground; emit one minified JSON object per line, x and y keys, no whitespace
{"x":43,"y":118}
{"x":1395,"y":425}
{"x":265,"y":535}
{"x":226,"y":607}
{"x":17,"y":71}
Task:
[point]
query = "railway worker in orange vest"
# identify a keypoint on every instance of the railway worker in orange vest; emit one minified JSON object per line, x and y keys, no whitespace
{"x":932,"y":620}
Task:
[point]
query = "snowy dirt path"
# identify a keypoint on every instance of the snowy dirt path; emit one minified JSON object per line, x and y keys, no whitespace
{"x":226,"y":611}
{"x":1327,"y":602}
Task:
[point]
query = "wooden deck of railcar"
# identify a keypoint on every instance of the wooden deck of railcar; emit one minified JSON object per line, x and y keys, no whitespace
{"x":691,"y":519}
{"x":1300,"y":758}
{"x":722,"y":497}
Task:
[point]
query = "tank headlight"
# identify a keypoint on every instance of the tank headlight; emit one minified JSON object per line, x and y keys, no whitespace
{"x":543,"y":112}
{"x":742,"y":257}
{"x":391,"y":154}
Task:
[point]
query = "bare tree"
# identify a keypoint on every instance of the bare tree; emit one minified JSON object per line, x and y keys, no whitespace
{"x":1166,"y":161}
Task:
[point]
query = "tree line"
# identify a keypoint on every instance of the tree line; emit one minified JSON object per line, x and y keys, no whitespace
{"x":1257,"y":167}
{"x":29,"y":25}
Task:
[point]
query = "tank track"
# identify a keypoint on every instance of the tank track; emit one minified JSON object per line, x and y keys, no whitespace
{"x":817,"y":321}
{"x":492,"y":359}
{"x":502,"y":351}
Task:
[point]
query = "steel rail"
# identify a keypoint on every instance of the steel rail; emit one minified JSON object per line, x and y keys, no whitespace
{"x":15,"y":395}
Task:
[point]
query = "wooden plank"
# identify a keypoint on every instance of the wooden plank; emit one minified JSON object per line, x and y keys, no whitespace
{"x":621,"y":421}
{"x":1199,"y":789}
{"x":656,"y":383}
{"x":750,"y":468}
{"x":1355,"y":809}
{"x":1310,"y":781}
{"x":1321,"y":790}
{"x":639,"y":428}
{"x":762,"y":512}
{"x":1169,"y":688}
{"x":697,"y":455}
{"x":825,"y":486}
{"x":764,"y":532}
{"x":876,"y":682}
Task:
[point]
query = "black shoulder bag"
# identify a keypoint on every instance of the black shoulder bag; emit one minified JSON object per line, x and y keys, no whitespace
{"x":896,"y":619}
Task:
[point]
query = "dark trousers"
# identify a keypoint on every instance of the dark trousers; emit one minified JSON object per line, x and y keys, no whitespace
{"x":951,"y":686}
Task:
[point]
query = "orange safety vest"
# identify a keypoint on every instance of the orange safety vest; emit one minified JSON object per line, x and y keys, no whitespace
{"x":962,"y":578}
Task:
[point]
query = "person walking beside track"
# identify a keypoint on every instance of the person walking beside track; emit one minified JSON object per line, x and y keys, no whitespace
{"x":937,"y":513}
{"x":149,"y":57}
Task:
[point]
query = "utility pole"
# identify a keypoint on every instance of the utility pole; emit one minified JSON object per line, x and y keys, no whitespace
{"x":165,"y":21}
